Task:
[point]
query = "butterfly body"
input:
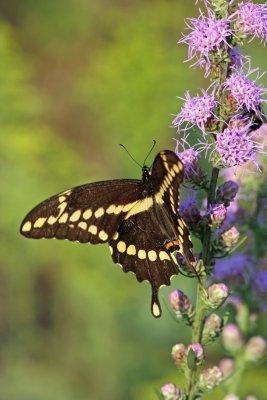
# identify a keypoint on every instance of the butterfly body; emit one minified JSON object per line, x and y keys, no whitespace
{"x":138,"y":218}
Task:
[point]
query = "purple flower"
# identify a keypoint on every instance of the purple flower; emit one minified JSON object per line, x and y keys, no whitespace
{"x":207,"y":35}
{"x":196,"y":110}
{"x":260,"y":280}
{"x":216,"y":215}
{"x":235,"y":146}
{"x":245,"y":91}
{"x":235,"y":266}
{"x":251,"y":20}
{"x":193,"y":172}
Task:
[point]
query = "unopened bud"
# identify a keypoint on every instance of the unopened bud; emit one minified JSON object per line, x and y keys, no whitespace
{"x":227,"y":366}
{"x":172,"y":392}
{"x":193,"y":172}
{"x":189,"y":211}
{"x":216,"y":295}
{"x":232,"y":338}
{"x":212,"y":328}
{"x":255,"y":348}
{"x":210,"y":378}
{"x":230,"y":237}
{"x":182,"y":305}
{"x":216,"y":215}
{"x":179,"y":354}
{"x":227,"y":192}
{"x":195,"y":355}
{"x":251,"y":398}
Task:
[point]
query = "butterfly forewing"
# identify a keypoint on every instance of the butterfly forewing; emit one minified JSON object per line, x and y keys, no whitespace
{"x":89,"y":214}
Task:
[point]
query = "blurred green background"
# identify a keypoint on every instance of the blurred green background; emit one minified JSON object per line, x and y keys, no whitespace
{"x":77,"y":78}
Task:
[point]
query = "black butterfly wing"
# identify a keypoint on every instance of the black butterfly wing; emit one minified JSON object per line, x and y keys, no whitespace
{"x":167,"y":176}
{"x":138,"y":246}
{"x":90,"y":213}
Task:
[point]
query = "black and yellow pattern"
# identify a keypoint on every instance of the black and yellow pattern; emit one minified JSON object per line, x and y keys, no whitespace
{"x":139,"y":219}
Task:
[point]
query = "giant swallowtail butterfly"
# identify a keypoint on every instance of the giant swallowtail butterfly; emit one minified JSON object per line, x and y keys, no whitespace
{"x":139,"y":220}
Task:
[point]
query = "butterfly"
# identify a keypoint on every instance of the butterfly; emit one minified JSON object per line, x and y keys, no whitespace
{"x":139,"y":219}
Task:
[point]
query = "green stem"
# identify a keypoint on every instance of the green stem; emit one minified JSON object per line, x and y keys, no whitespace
{"x":200,"y":305}
{"x":207,"y":231}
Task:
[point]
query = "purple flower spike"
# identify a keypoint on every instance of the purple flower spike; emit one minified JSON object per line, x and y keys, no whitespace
{"x":207,"y":35}
{"x":196,"y":110}
{"x":245,"y":91}
{"x":251,"y":20}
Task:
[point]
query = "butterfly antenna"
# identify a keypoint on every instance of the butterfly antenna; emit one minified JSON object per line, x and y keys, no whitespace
{"x":136,"y":162}
{"x":150,"y":151}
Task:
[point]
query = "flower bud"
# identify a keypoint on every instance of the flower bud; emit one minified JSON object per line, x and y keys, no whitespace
{"x":195,"y":355}
{"x":193,"y":172}
{"x":216,"y":295}
{"x":232,"y":338}
{"x":230,"y":238}
{"x":227,"y":366}
{"x":172,"y":392}
{"x":251,"y":398}
{"x":182,"y":305}
{"x":190,"y":212}
{"x":210,"y":378}
{"x":227,"y":192}
{"x":216,"y":215}
{"x":255,"y":348}
{"x":212,"y":328}
{"x":242,"y":318}
{"x":179,"y":354}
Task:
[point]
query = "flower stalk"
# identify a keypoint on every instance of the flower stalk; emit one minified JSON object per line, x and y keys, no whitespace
{"x":227,"y":116}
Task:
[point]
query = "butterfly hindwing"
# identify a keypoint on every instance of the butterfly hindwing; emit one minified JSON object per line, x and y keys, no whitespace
{"x":89,"y":214}
{"x":139,"y":247}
